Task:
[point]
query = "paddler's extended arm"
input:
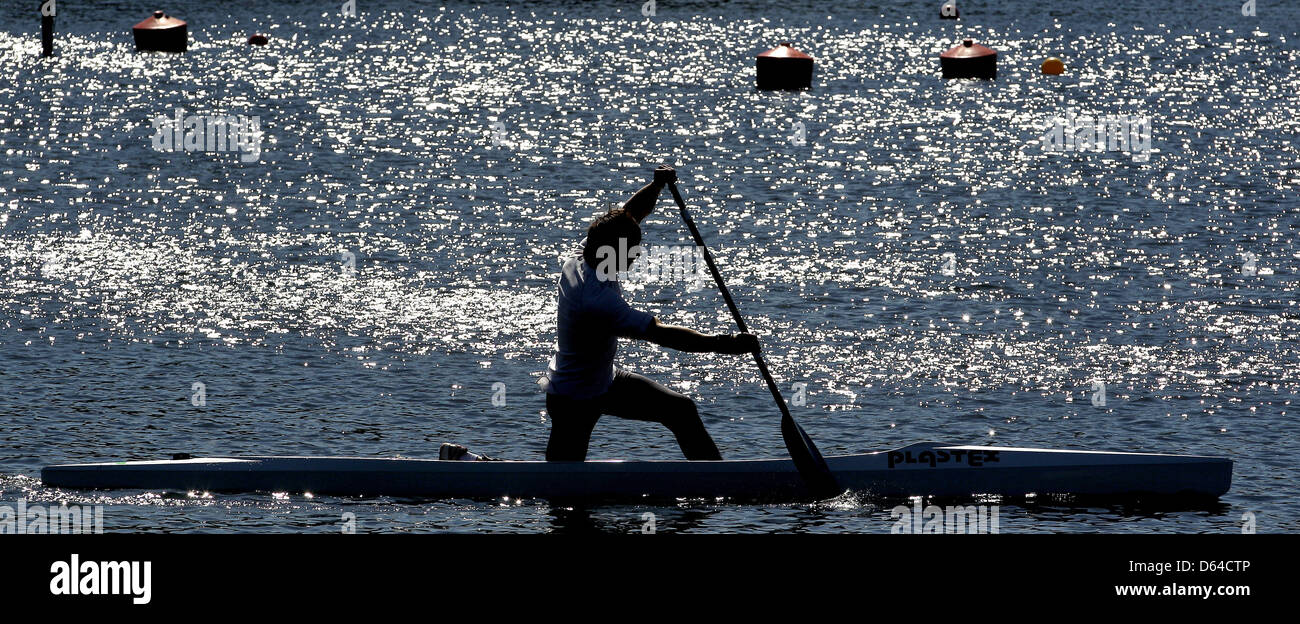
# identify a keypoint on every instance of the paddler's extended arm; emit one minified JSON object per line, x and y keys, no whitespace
{"x":683,"y":339}
{"x":643,"y":201}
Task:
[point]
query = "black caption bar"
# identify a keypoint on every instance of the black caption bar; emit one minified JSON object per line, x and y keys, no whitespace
{"x":434,"y":572}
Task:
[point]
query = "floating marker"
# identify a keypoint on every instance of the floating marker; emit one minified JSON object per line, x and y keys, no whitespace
{"x":784,"y":67}
{"x":949,"y":10}
{"x":257,"y":40}
{"x":969,"y":60}
{"x":1053,"y":66}
{"x":161,"y":33}
{"x":47,"y":27}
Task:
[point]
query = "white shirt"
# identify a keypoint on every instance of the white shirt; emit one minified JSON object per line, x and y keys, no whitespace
{"x":591,"y":315}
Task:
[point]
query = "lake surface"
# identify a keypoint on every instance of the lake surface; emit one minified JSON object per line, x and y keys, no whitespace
{"x":390,"y":256}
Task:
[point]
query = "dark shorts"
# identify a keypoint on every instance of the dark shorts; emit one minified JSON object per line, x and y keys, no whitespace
{"x":630,"y":396}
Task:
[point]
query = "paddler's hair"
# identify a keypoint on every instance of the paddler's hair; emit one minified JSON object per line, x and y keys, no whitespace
{"x":606,"y":231}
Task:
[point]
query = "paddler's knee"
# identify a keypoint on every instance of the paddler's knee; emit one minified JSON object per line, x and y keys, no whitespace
{"x":682,"y":411}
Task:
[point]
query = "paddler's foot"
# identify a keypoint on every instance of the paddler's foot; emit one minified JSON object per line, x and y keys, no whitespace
{"x":457,"y":452}
{"x":453,"y":452}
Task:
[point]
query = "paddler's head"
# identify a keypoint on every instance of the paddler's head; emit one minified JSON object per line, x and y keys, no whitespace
{"x":613,"y":244}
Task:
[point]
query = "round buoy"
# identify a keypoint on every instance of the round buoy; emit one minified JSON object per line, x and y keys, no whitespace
{"x":949,"y":10}
{"x":969,"y":60}
{"x":1053,"y":66}
{"x":784,"y":67}
{"x":161,"y":33}
{"x":257,"y":40}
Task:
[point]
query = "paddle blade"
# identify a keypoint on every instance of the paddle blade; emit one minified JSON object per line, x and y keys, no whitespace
{"x":808,"y":460}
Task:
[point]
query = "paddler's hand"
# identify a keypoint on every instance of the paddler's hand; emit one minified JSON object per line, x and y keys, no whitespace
{"x":737,"y":344}
{"x":664,"y":175}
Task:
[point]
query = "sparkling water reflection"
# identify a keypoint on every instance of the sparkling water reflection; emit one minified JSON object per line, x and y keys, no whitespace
{"x":391,"y":254}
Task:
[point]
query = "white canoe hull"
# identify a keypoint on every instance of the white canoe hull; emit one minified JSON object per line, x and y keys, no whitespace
{"x":924,"y":469}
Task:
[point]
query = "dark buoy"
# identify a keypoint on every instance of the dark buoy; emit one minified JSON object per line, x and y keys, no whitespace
{"x":969,"y":60}
{"x":949,"y":10}
{"x":784,"y":67}
{"x":258,"y":40}
{"x":161,"y":33}
{"x":47,"y":27}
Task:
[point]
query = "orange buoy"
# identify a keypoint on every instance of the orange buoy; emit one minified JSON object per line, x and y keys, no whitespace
{"x":969,"y":60}
{"x":784,"y":67}
{"x":258,"y":40}
{"x":1053,"y":66}
{"x":161,"y":33}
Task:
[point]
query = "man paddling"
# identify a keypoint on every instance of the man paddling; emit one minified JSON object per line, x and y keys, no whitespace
{"x":582,"y":382}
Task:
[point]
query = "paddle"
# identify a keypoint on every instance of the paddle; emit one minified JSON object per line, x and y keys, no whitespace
{"x":807,"y":459}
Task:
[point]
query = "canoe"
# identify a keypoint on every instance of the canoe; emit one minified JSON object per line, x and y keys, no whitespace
{"x":922,"y":469}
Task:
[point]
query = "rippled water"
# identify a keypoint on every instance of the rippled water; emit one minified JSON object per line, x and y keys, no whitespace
{"x":453,"y":152}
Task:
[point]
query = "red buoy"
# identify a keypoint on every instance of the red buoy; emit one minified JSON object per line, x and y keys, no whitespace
{"x":969,"y":60}
{"x":161,"y":33}
{"x":784,"y":67}
{"x":258,"y":40}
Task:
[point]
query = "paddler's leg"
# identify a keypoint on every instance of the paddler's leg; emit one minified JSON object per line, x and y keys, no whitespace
{"x":571,"y":423}
{"x":637,"y":397}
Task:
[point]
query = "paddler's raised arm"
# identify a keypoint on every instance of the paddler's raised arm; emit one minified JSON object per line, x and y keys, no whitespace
{"x":642,"y":202}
